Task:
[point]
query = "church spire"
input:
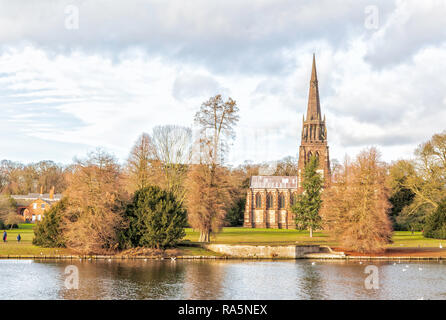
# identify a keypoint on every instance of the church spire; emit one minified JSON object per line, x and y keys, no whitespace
{"x":314,"y":131}
{"x":314,"y":108}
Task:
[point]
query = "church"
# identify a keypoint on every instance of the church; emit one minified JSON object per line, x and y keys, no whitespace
{"x":269,"y":198}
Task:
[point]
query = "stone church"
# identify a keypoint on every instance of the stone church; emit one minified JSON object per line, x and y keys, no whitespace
{"x":270,"y":198}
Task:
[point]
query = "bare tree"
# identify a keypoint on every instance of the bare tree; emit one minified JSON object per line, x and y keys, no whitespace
{"x":94,"y":212}
{"x":355,"y":206}
{"x":50,"y":175}
{"x":140,"y":164}
{"x":208,"y":198}
{"x":207,"y":186}
{"x":216,"y":120}
{"x":172,"y":148}
{"x":16,"y":178}
{"x":286,"y":167}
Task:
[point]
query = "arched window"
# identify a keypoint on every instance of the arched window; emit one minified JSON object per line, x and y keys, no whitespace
{"x":293,"y":199}
{"x":309,"y":155}
{"x":258,"y":200}
{"x":269,"y":201}
{"x":281,"y":201}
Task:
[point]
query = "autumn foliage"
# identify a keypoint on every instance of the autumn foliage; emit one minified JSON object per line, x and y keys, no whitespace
{"x":208,"y":197}
{"x":95,"y":194}
{"x":207,"y":185}
{"x":355,"y":206}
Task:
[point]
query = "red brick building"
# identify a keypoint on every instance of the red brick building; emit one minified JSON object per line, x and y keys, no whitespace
{"x":269,"y":198}
{"x":32,"y":207}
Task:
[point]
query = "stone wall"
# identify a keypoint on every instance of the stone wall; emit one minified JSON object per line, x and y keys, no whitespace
{"x":247,"y":251}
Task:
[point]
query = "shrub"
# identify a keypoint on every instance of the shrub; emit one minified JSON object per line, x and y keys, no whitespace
{"x":156,"y":219}
{"x":435,"y":226}
{"x":48,"y":232}
{"x":8,"y":215}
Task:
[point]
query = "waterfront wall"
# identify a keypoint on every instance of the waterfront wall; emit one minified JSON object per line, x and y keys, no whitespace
{"x":247,"y":251}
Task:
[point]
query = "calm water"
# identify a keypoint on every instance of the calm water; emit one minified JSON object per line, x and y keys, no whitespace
{"x":301,"y":279}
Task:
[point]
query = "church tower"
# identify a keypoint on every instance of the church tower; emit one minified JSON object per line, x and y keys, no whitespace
{"x":269,"y":199}
{"x":314,"y":131}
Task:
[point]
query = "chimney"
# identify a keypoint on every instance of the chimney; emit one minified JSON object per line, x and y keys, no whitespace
{"x":52,"y":193}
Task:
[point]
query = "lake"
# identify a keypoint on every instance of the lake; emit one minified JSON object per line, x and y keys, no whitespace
{"x":219,"y":279}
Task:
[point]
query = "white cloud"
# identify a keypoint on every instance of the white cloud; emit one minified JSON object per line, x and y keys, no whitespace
{"x":130,"y":68}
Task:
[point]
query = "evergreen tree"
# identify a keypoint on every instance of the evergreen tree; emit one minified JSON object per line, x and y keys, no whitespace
{"x":436,"y":223}
{"x":48,"y":232}
{"x":401,"y":197}
{"x":308,"y":204}
{"x":399,"y":200}
{"x":156,"y":219}
{"x":235,"y":214}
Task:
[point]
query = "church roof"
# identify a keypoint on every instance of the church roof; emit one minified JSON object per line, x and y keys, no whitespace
{"x":274,"y":182}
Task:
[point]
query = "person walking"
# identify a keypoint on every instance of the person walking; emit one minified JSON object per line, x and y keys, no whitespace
{"x":5,"y":235}
{"x":19,"y":238}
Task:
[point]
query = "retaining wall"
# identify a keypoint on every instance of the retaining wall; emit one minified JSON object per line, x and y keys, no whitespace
{"x":247,"y":251}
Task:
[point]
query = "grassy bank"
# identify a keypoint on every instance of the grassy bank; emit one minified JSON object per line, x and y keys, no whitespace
{"x":401,"y":239}
{"x":25,"y":247}
{"x":263,"y":236}
{"x":284,"y":237}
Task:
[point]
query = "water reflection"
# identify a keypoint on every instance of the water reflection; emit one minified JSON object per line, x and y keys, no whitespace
{"x":204,"y":279}
{"x":220,"y":279}
{"x":310,"y":283}
{"x":133,"y":279}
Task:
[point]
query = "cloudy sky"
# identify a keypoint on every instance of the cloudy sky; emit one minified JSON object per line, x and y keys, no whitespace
{"x":75,"y":75}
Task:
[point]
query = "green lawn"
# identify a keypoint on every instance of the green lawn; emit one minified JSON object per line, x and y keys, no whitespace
{"x":228,"y":235}
{"x":289,"y":236}
{"x":406,"y":239}
{"x":262,"y":236}
{"x":25,"y":247}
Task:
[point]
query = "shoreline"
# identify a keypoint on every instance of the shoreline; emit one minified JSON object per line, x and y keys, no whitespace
{"x":310,"y":257}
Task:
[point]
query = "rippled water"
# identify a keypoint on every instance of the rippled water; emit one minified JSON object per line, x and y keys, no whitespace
{"x":220,"y":279}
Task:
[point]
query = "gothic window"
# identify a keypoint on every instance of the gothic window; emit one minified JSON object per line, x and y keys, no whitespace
{"x":309,"y":156}
{"x":281,"y":201}
{"x":269,"y":201}
{"x":258,"y":200}
{"x":293,"y":199}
